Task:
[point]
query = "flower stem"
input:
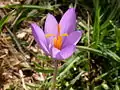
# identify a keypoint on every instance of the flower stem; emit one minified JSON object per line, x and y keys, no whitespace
{"x":54,"y":75}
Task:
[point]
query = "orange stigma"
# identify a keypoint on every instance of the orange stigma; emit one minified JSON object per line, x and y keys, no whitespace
{"x":59,"y":30}
{"x":58,"y":42}
{"x":58,"y":39}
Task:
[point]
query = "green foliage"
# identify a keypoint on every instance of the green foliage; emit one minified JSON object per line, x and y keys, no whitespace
{"x":4,"y":20}
{"x":96,"y":27}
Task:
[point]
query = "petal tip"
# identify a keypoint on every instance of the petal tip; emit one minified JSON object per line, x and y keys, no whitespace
{"x":81,"y":31}
{"x":49,"y":14}
{"x":33,"y":25}
{"x":72,"y":10}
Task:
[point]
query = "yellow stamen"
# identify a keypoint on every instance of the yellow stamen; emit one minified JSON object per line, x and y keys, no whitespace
{"x":49,"y":35}
{"x":65,"y":34}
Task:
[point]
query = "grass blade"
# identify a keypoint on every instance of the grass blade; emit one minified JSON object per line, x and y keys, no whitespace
{"x":96,"y":28}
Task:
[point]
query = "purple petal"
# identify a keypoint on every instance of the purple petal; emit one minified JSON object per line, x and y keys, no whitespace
{"x":68,"y":21}
{"x":65,"y":52}
{"x":44,"y":48}
{"x":73,"y":38}
{"x":39,"y":37}
{"x":51,"y":25}
{"x":54,"y":52}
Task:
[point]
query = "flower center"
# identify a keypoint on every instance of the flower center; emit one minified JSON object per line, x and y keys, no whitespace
{"x":57,"y":41}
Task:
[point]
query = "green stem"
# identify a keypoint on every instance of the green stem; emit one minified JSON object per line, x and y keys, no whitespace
{"x":54,"y":75}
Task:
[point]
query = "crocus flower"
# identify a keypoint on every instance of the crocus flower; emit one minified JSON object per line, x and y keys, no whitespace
{"x":58,"y":40}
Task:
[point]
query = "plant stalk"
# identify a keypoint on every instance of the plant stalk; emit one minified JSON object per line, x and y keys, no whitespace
{"x":54,"y":75}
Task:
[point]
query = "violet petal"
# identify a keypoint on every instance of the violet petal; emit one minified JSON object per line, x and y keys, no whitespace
{"x":73,"y":38}
{"x":68,"y":21}
{"x":51,"y":26}
{"x":39,"y":37}
{"x":65,"y":52}
{"x":54,"y":52}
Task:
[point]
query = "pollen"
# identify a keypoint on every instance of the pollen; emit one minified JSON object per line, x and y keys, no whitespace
{"x":49,"y":35}
{"x":65,"y":34}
